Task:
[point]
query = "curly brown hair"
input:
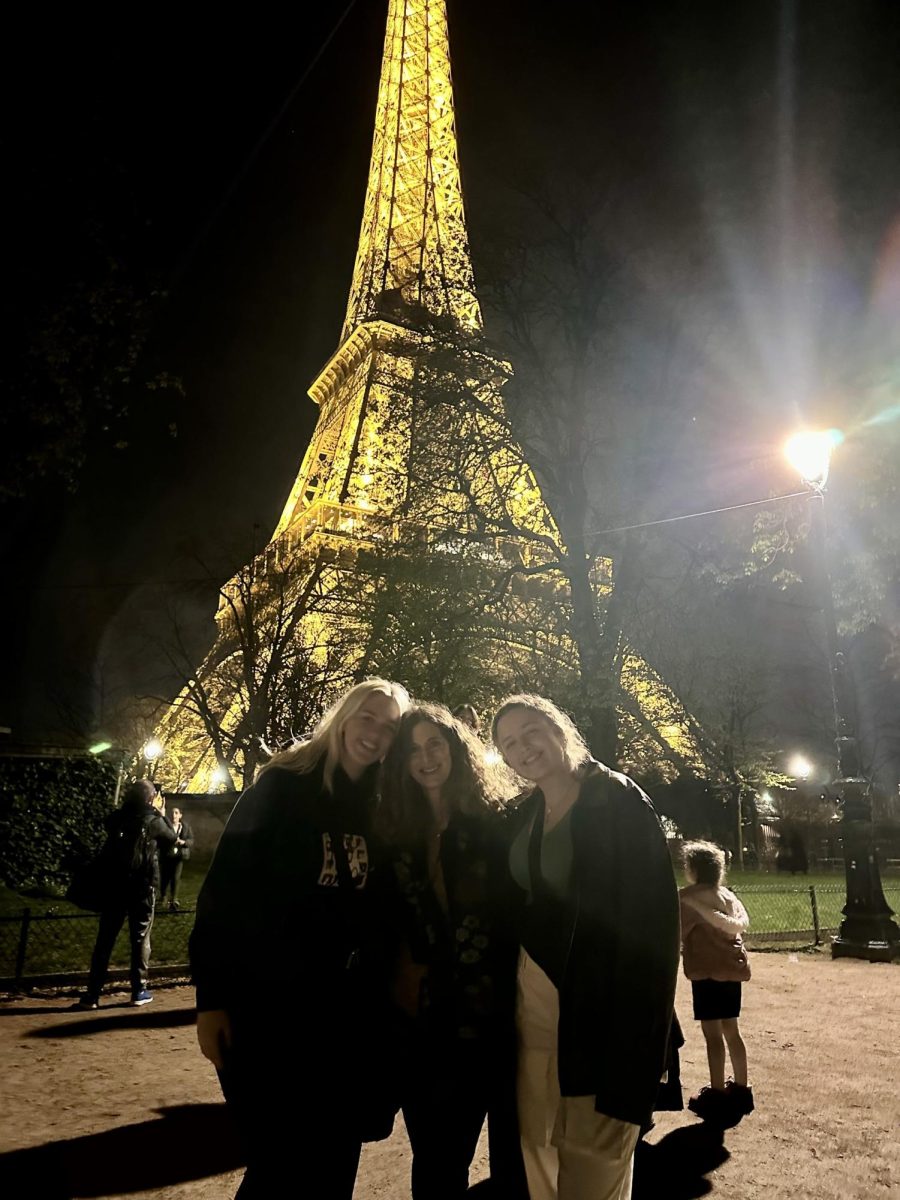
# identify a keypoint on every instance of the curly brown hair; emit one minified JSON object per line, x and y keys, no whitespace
{"x":474,"y":787}
{"x":705,"y":861}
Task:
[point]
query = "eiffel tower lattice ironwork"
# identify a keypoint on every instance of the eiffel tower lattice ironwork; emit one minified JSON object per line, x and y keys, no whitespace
{"x":411,"y":456}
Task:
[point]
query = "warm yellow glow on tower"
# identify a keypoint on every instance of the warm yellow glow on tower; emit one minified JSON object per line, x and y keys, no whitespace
{"x":412,"y":447}
{"x":413,"y":245}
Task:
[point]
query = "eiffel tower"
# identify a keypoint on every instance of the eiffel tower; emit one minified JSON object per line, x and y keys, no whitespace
{"x":411,"y":458}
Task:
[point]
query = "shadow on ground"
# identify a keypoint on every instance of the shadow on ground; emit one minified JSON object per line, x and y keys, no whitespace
{"x":675,"y":1168}
{"x":192,"y":1141}
{"x":131,"y":1018}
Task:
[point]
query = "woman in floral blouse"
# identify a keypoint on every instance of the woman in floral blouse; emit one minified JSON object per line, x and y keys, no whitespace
{"x":441,"y":815}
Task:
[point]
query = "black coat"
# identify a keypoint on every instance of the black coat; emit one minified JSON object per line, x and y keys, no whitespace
{"x":123,"y":827}
{"x":181,"y":853}
{"x":617,"y":990}
{"x":271,"y":912}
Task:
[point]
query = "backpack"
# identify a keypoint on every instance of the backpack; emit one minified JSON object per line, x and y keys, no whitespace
{"x":125,"y":866}
{"x":130,"y":855}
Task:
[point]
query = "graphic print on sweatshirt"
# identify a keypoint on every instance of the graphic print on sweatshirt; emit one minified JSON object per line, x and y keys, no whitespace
{"x":357,"y":853}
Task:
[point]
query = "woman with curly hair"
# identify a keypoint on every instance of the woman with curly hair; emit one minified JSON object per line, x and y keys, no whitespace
{"x":440,"y":816}
{"x":594,"y":892}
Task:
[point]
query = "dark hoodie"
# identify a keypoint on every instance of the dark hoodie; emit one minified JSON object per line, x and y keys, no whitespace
{"x":273,"y":906}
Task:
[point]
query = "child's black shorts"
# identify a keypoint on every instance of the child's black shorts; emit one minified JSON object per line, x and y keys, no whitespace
{"x":716,"y":999}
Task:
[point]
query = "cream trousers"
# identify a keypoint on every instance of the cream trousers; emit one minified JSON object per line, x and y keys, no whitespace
{"x":571,"y":1152}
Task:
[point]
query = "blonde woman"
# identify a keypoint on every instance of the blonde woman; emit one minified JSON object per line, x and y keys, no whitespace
{"x":598,"y":926}
{"x":284,"y":954}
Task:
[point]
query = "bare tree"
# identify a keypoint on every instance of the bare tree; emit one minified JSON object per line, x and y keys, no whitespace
{"x":267,"y":675}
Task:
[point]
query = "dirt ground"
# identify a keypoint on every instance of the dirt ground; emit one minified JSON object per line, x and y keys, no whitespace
{"x":119,"y":1103}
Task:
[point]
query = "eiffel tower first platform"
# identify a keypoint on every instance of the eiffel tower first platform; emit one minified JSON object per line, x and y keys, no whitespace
{"x":415,"y":542}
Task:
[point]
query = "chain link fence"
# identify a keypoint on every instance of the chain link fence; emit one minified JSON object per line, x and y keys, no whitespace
{"x":55,"y":947}
{"x":806,"y":915}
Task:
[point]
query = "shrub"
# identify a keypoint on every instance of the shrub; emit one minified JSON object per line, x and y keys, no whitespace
{"x":51,"y":816}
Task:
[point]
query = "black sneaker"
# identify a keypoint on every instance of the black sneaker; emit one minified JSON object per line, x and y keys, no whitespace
{"x":85,"y":1004}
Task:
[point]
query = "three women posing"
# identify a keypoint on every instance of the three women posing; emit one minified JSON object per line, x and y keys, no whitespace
{"x":315,"y":911}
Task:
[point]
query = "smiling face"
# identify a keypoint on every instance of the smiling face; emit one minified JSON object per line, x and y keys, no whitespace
{"x":531,"y":745}
{"x":429,"y":759}
{"x":366,"y":736}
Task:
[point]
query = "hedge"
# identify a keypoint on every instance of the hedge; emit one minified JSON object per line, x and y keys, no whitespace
{"x":51,"y":816}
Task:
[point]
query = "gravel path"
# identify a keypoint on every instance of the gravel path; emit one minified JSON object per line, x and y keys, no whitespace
{"x":119,"y":1103}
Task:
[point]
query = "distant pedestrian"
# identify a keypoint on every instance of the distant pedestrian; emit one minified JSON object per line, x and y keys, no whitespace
{"x":469,"y":716}
{"x":130,"y":856}
{"x":715,"y":961}
{"x":173,"y":858}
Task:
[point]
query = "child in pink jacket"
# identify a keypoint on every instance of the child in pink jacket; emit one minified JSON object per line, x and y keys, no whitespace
{"x":715,"y":961}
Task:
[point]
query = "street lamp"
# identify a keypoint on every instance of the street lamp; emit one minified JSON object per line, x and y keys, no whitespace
{"x":152,"y":752}
{"x":103,"y":747}
{"x":867,"y":930}
{"x":220,"y":777}
{"x":800,"y":767}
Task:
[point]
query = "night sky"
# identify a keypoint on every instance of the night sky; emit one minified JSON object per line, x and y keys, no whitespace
{"x":220,"y":165}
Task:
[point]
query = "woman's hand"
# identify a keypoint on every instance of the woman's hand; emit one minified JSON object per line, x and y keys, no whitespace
{"x":214,"y":1035}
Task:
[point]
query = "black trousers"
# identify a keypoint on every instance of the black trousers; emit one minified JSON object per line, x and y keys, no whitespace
{"x":286,"y":1083}
{"x":450,"y":1087}
{"x":169,"y":877}
{"x":138,"y":911}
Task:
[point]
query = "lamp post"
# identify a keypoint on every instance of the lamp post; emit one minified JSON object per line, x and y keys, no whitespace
{"x":867,"y":930}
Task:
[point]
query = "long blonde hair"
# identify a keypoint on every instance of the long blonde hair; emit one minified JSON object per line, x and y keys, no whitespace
{"x":326,"y":737}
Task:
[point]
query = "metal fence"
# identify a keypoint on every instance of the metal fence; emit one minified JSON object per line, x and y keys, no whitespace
{"x":55,"y":947}
{"x":805,"y":915}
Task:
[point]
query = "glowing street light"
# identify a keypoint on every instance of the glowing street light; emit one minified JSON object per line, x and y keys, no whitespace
{"x":153,"y":749}
{"x":800,"y":767}
{"x":220,"y":777}
{"x":810,"y":455}
{"x":867,"y":930}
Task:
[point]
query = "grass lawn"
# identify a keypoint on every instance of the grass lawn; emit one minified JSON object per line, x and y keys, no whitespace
{"x":64,"y":946}
{"x":777,"y":904}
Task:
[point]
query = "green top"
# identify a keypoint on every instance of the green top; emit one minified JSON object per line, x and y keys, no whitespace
{"x":557,"y":853}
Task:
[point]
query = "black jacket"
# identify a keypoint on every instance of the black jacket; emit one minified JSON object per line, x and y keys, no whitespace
{"x":617,"y":990}
{"x":272,"y":910}
{"x":123,"y":827}
{"x":183,"y":853}
{"x":470,"y":960}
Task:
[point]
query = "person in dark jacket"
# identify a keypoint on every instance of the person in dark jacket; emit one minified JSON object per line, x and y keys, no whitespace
{"x":134,"y":835}
{"x":286,"y":951}
{"x":598,"y":918}
{"x":440,"y":817}
{"x":173,"y":858}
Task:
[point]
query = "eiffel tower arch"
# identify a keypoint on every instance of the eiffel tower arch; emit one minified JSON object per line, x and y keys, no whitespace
{"x":415,"y":541}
